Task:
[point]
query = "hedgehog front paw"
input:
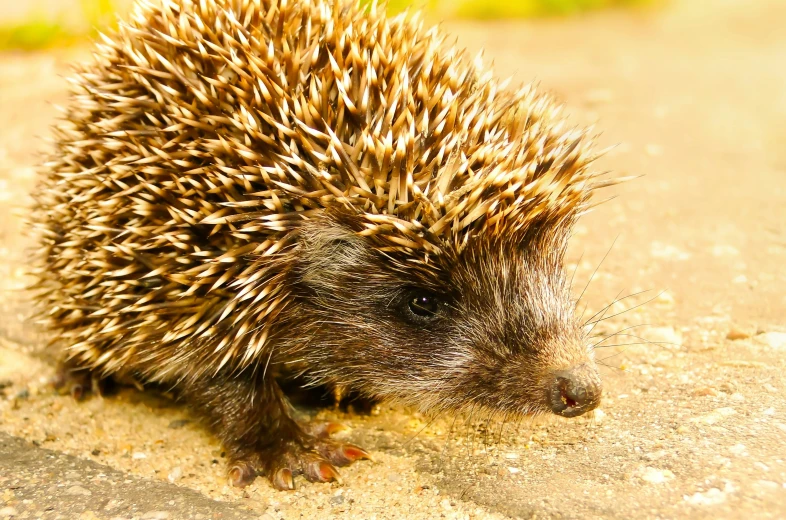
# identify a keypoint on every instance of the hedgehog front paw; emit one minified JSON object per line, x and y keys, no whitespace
{"x":79,"y":381}
{"x":314,"y":457}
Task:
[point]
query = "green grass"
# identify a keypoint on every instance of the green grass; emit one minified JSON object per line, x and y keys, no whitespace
{"x":35,"y":33}
{"x":535,"y":8}
{"x":500,"y":9}
{"x":41,"y":30}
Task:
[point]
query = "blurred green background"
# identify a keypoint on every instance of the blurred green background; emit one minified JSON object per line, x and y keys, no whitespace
{"x":34,"y":24}
{"x":498,"y":9}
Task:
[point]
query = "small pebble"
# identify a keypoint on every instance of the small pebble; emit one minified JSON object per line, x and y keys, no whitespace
{"x":704,"y":391}
{"x":175,"y":475}
{"x":78,"y":490}
{"x":178,"y":423}
{"x":155,"y":515}
{"x":665,"y":337}
{"x":735,"y":334}
{"x":767,"y":485}
{"x":655,"y":455}
{"x":710,"y":497}
{"x":8,"y":511}
{"x":739,"y":449}
{"x":740,"y":278}
{"x":337,"y":500}
{"x":138,"y":455}
{"x":665,"y":298}
{"x":727,"y":388}
{"x":714,"y":416}
{"x":655,"y":475}
{"x":775,"y":340}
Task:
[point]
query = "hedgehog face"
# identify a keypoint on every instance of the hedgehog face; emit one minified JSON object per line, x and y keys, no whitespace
{"x":527,"y":350}
{"x":489,"y":327}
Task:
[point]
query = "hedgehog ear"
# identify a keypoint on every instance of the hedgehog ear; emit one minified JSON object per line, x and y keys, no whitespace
{"x":328,"y":248}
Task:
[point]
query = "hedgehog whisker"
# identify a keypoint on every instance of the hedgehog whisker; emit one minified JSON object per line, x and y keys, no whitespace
{"x":595,"y":271}
{"x":607,"y":337}
{"x":449,"y":435}
{"x":601,"y":363}
{"x":505,"y":419}
{"x":621,"y":351}
{"x":644,"y":341}
{"x":415,"y":435}
{"x":627,"y":310}
{"x":616,"y":300}
{"x":594,"y":324}
{"x":623,"y":345}
{"x":576,"y":268}
{"x":485,"y":436}
{"x":469,"y":435}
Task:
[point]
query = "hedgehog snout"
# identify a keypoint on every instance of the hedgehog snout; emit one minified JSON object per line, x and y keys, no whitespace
{"x":574,"y":391}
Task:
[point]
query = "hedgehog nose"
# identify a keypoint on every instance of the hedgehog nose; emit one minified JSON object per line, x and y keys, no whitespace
{"x":575,"y":391}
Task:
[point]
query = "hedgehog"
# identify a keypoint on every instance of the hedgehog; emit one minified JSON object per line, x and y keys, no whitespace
{"x":239,"y":190}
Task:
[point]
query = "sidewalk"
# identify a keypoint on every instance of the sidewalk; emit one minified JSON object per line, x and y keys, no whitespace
{"x":693,"y":426}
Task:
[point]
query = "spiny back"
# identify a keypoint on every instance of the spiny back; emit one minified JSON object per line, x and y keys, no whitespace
{"x":205,"y":132}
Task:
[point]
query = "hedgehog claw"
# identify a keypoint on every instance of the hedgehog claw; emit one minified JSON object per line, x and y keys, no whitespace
{"x":77,"y":381}
{"x":283,"y":480}
{"x":321,"y":471}
{"x":241,"y":475}
{"x":353,"y":453}
{"x":314,"y":458}
{"x":346,"y":454}
{"x":78,"y":392}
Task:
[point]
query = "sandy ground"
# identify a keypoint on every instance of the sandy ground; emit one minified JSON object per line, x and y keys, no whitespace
{"x":693,"y":422}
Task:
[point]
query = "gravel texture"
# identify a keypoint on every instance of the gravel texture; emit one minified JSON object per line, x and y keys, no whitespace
{"x":693,"y":422}
{"x":51,"y":484}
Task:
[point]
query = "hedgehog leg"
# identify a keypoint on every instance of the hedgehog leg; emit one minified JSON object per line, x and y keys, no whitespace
{"x":251,"y":417}
{"x":78,"y":380}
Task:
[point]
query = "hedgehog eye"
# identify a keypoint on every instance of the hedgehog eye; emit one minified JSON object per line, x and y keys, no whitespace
{"x":421,"y":307}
